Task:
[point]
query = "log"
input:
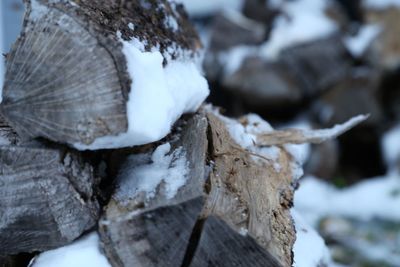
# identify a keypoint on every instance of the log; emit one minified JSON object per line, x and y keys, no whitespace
{"x":318,"y":64}
{"x":67,"y":77}
{"x":144,"y":229}
{"x":150,"y":228}
{"x":252,"y":195}
{"x":300,"y":72}
{"x":47,"y":197}
{"x":220,"y":245}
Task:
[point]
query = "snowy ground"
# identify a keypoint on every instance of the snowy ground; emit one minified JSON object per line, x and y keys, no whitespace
{"x":366,"y":202}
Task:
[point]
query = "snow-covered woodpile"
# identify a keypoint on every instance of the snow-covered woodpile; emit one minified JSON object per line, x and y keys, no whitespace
{"x":110,"y":156}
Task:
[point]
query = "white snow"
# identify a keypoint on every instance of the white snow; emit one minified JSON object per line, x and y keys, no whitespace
{"x":81,"y":253}
{"x":244,"y":132}
{"x":301,"y":21}
{"x":38,"y":10}
{"x":233,"y":58}
{"x":131,"y":26}
{"x":171,"y":23}
{"x":208,"y":7}
{"x":359,"y":43}
{"x":381,"y":4}
{"x":299,"y":152}
{"x":373,"y":198}
{"x":391,"y":147}
{"x":158,"y":97}
{"x":140,"y":175}
{"x":309,"y":249}
{"x":242,"y":21}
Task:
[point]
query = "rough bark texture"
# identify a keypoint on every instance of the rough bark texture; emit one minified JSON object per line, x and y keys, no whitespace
{"x":46,"y":199}
{"x":69,"y":57}
{"x":250,"y":194}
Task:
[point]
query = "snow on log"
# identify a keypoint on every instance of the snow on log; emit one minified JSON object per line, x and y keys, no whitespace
{"x":250,"y":193}
{"x":173,"y":201}
{"x":98,"y":74}
{"x":149,"y":220}
{"x":206,"y":193}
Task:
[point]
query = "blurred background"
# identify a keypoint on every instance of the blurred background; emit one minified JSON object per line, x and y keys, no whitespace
{"x":311,"y":64}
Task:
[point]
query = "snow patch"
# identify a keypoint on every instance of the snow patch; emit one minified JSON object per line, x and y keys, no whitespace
{"x":233,"y":58}
{"x":158,"y":97}
{"x":131,"y":26}
{"x":301,"y":21}
{"x":81,"y":253}
{"x":374,"y":198}
{"x":140,"y":175}
{"x":359,"y":43}
{"x":170,"y":22}
{"x":299,"y":152}
{"x":37,"y":10}
{"x":199,"y":8}
{"x":244,"y":132}
{"x":391,"y":147}
{"x":309,"y":249}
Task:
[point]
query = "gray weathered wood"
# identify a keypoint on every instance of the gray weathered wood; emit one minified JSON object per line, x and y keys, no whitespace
{"x":7,"y":134}
{"x":224,"y":181}
{"x":46,"y":198}
{"x":300,"y":72}
{"x":156,"y":237}
{"x":221,"y":246}
{"x":67,"y":77}
{"x":142,"y":231}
